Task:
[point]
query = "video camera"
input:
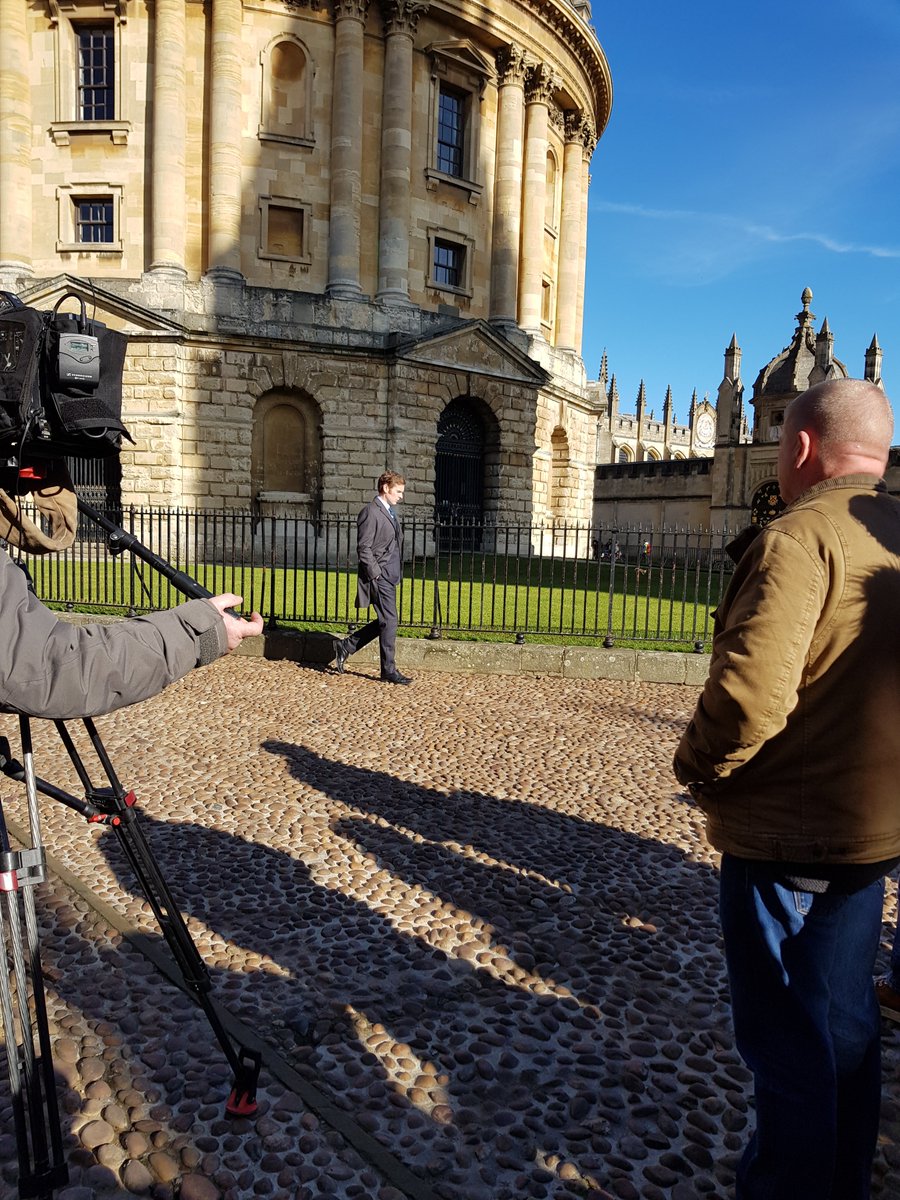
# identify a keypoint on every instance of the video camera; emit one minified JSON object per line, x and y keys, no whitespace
{"x":60,"y":382}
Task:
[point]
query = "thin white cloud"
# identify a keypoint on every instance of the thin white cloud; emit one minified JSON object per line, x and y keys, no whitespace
{"x":762,"y":233}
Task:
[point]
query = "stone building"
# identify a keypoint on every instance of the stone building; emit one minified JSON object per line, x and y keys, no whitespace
{"x":340,"y":238}
{"x":738,"y":484}
{"x":639,"y":437}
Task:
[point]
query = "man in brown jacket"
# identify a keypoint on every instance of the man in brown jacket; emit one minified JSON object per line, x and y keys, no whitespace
{"x":793,"y":753}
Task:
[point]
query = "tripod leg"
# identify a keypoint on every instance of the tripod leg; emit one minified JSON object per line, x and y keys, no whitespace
{"x":119,"y":809}
{"x":32,"y":1083}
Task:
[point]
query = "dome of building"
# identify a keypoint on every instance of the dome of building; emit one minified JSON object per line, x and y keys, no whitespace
{"x":788,"y":373}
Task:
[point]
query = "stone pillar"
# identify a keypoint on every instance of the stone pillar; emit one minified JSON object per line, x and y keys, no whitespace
{"x":346,"y":149}
{"x":400,"y":20}
{"x":225,"y":142}
{"x":507,"y":228}
{"x":589,"y":141}
{"x":539,"y":90}
{"x":15,"y":145}
{"x":167,"y":199}
{"x":571,"y":262}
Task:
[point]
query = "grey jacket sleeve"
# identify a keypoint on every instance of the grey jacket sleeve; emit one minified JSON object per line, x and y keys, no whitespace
{"x":366,"y":530}
{"x":52,"y":668}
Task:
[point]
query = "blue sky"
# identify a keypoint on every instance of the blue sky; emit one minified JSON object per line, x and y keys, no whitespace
{"x":753,"y":150}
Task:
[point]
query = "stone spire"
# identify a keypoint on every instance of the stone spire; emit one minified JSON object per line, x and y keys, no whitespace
{"x":873,"y":362}
{"x":668,"y":408}
{"x":824,"y":367}
{"x":613,"y":397}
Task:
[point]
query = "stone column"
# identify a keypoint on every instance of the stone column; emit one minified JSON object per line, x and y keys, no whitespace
{"x":539,"y":89}
{"x":225,"y":142}
{"x":15,"y":145}
{"x":400,"y":20}
{"x":589,"y":141}
{"x":346,"y":149}
{"x":167,"y":199}
{"x":507,"y":228}
{"x":571,"y":263}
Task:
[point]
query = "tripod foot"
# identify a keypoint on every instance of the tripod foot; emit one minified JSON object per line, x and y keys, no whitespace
{"x":242,"y":1101}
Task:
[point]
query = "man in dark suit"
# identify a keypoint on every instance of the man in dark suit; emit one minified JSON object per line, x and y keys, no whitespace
{"x":379,"y":549}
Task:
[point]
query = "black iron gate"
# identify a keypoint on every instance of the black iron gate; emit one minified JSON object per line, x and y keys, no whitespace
{"x":459,"y":474}
{"x":98,"y":481}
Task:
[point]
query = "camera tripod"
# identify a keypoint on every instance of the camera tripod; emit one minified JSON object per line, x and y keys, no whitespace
{"x":42,"y":1166}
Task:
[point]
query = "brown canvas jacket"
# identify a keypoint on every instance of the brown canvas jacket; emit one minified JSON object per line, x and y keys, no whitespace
{"x":793,"y":751}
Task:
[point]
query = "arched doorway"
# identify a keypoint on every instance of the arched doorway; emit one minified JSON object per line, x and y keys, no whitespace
{"x":459,"y":464}
{"x":766,"y":504}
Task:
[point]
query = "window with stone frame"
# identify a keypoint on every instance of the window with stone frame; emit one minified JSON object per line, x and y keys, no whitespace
{"x":89,"y":218}
{"x":459,"y":75}
{"x":450,"y":258}
{"x":89,"y":70}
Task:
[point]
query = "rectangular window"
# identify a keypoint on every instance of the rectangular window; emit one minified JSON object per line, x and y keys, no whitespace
{"x":96,"y":73}
{"x":451,"y":137}
{"x":93,"y":220}
{"x":449,"y":261}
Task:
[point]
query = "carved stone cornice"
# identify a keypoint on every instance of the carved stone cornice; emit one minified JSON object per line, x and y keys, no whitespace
{"x":512,"y":65}
{"x":356,"y":9}
{"x":589,"y":137}
{"x":574,"y":125}
{"x":581,"y":41}
{"x":402,"y":16}
{"x":540,"y":85}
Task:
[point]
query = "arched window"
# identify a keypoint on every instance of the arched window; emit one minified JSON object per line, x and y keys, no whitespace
{"x":766,"y":504}
{"x":286,"y":448}
{"x":623,"y":454}
{"x":286,"y":109}
{"x":550,"y":192}
{"x":651,"y":455}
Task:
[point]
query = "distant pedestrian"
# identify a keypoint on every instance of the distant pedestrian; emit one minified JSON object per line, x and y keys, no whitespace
{"x":379,"y":550}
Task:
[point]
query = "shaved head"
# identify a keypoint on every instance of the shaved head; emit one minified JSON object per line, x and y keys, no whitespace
{"x":847,"y":415}
{"x":841,"y":427}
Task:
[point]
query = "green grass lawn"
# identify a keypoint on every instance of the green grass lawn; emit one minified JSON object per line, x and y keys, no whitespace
{"x":485,"y":598}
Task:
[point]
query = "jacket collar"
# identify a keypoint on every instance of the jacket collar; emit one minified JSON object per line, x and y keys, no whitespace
{"x":738,"y":548}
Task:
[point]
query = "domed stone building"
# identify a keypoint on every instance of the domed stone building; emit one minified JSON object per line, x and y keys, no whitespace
{"x":738,"y":484}
{"x":340,"y":238}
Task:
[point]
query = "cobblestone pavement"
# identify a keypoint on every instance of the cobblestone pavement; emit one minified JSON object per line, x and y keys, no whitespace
{"x":472,"y":920}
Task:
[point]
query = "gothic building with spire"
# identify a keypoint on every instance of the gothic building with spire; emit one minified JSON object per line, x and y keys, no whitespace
{"x":737,"y":483}
{"x":624,"y":437}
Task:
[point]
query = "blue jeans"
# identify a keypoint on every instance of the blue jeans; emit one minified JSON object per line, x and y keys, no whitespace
{"x":807,"y":1025}
{"x":893,"y":975}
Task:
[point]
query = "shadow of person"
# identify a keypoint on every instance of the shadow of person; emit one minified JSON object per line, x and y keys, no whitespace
{"x":568,"y":896}
{"x":477,"y":975}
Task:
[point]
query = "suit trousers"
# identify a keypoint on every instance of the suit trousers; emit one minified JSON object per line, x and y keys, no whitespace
{"x":384,"y":627}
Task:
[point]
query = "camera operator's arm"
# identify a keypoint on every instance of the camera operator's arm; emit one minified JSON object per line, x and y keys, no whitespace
{"x":52,"y":668}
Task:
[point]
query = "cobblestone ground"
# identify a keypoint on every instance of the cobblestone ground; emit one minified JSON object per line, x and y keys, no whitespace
{"x":476,"y":915}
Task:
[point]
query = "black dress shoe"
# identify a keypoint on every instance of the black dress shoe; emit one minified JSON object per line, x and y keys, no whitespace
{"x":395,"y":677}
{"x":341,"y":654}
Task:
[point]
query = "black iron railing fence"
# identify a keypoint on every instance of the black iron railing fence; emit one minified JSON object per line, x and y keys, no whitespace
{"x":571,"y":581}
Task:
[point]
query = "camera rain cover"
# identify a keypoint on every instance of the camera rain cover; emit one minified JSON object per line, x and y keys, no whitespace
{"x":60,"y":381}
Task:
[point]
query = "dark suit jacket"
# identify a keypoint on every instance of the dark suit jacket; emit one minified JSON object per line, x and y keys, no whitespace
{"x":379,"y":548}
